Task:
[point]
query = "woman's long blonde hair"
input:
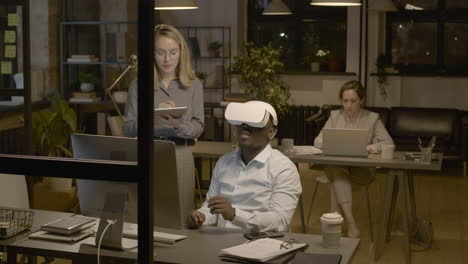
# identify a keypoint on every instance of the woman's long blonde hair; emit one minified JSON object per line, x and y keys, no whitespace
{"x":184,"y":68}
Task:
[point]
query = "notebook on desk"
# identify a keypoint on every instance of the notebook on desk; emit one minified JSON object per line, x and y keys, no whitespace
{"x":345,"y":142}
{"x":261,"y":250}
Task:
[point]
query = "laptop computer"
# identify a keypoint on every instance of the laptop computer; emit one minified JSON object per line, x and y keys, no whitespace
{"x":345,"y":142}
{"x":167,"y":209}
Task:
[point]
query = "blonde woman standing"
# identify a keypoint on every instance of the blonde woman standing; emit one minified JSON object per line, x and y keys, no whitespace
{"x":175,"y":84}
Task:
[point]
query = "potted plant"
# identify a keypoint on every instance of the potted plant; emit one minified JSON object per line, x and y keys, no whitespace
{"x":317,"y":59}
{"x":121,"y":88}
{"x":315,"y":55}
{"x":87,"y":81}
{"x":381,"y":74}
{"x":51,"y":132}
{"x":259,"y":69}
{"x":214,"y":48}
{"x":202,"y":76}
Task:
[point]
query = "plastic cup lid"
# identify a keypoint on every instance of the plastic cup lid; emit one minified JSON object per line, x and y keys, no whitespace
{"x":332,"y":218}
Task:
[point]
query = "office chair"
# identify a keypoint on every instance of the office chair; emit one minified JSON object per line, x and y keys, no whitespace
{"x":324,"y":179}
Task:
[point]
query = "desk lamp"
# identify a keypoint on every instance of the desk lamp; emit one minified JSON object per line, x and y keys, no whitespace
{"x":132,"y":63}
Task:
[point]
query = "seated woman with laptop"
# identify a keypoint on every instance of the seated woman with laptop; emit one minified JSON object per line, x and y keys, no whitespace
{"x":352,"y":116}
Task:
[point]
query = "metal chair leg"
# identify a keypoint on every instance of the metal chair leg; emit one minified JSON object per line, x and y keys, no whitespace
{"x":465,"y":168}
{"x":197,"y":178}
{"x":309,"y":213}
{"x":301,"y":211}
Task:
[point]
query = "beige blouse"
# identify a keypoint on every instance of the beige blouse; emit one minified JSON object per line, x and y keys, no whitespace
{"x":378,"y":135}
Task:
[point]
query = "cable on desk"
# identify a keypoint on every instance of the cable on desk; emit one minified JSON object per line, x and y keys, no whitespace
{"x":109,"y":223}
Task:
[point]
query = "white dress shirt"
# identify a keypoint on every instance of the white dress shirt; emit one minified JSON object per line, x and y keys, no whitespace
{"x":264,"y":192}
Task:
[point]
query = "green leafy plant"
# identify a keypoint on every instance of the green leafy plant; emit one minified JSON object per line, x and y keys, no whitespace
{"x":52,"y":129}
{"x":259,"y":70}
{"x":88,"y":77}
{"x":382,"y":80}
{"x":214,"y":45}
{"x":201,"y":75}
{"x":313,"y":51}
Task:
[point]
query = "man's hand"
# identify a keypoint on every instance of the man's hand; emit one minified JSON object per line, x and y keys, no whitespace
{"x":221,"y":205}
{"x":195,"y":220}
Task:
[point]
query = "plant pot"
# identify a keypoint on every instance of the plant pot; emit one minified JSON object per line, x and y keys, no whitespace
{"x":120,"y":96}
{"x":60,"y":184}
{"x":315,"y":67}
{"x":336,"y":65}
{"x":86,"y":87}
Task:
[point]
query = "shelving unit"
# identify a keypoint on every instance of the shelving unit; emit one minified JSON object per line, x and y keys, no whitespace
{"x":217,"y":84}
{"x":69,"y":45}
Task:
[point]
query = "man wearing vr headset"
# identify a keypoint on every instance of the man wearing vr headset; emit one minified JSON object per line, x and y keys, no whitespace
{"x":255,"y":187}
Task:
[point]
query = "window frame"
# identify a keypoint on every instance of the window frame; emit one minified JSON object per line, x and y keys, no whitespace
{"x":302,"y":13}
{"x":440,"y":16}
{"x":104,"y":170}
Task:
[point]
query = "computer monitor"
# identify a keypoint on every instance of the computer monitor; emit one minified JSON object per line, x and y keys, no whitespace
{"x":167,"y":209}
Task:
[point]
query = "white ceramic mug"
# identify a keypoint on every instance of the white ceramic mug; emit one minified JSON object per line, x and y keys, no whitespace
{"x":331,"y":229}
{"x":287,"y":145}
{"x":387,"y":151}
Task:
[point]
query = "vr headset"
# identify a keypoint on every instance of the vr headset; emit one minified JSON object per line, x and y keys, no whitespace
{"x":252,"y":113}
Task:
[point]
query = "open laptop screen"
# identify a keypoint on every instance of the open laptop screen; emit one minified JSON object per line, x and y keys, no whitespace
{"x":92,"y":194}
{"x":345,"y":142}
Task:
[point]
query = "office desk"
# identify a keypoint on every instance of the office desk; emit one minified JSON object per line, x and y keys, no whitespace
{"x":399,"y":174}
{"x":201,"y":246}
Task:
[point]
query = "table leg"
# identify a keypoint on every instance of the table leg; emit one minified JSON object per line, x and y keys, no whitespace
{"x":379,"y":242}
{"x":392,"y":210}
{"x":12,"y":256}
{"x":301,"y":212}
{"x":405,"y":219}
{"x":411,"y":196}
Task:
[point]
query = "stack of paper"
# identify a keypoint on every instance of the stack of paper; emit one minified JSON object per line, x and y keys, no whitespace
{"x":260,"y":250}
{"x":306,"y":150}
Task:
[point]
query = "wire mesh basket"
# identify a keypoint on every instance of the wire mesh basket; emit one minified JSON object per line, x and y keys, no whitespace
{"x":14,"y":221}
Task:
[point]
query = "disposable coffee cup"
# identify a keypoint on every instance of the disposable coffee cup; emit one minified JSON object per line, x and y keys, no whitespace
{"x":331,"y":229}
{"x":287,"y":145}
{"x":387,"y":151}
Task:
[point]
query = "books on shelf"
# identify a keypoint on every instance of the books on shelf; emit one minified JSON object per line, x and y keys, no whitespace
{"x":81,"y":97}
{"x":261,"y":250}
{"x":84,"y":95}
{"x":82,"y":58}
{"x":85,"y":100}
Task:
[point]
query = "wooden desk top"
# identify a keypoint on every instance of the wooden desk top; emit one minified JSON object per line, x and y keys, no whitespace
{"x":201,"y":246}
{"x":211,"y":149}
